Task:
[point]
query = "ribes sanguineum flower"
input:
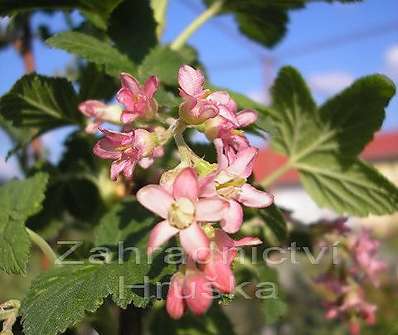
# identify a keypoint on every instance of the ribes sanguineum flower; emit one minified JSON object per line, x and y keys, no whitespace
{"x":127,"y":149}
{"x":97,"y":113}
{"x":183,"y":210}
{"x":365,"y":249}
{"x":229,"y":183}
{"x":200,"y":104}
{"x":223,"y":251}
{"x":139,"y":101}
{"x":190,"y":288}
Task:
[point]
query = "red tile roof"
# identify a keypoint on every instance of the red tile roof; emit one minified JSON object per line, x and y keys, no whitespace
{"x":384,"y":147}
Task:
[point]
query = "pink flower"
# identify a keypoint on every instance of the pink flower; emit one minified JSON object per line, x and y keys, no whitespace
{"x":198,"y":106}
{"x":183,"y":210}
{"x":365,"y":249}
{"x":223,"y":251}
{"x":189,"y":289}
{"x":138,"y":100}
{"x":229,"y":183}
{"x":98,"y":112}
{"x":126,"y":150}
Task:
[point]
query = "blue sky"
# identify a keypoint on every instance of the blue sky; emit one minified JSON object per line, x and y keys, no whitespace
{"x":330,"y":44}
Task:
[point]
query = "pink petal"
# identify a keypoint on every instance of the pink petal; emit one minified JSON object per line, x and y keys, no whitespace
{"x":248,"y":241}
{"x":106,"y":149}
{"x":197,"y":292}
{"x":130,"y":83}
{"x":150,"y":86}
{"x":243,"y":162}
{"x":222,"y":160}
{"x":90,"y":107}
{"x":117,"y":167}
{"x":146,"y":162}
{"x":92,"y":127}
{"x":233,"y":217}
{"x":251,"y":197}
{"x":246,"y":117}
{"x":210,"y":209}
{"x":129,"y":168}
{"x":117,"y":137}
{"x":191,"y":80}
{"x":128,"y":116}
{"x":219,"y":273}
{"x":161,"y":233}
{"x":175,"y":303}
{"x":186,"y":185}
{"x":156,"y":199}
{"x":195,"y":242}
{"x":207,"y":187}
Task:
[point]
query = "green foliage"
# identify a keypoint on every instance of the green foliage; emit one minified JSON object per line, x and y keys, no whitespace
{"x":41,"y":102}
{"x":93,"y":50}
{"x":112,"y":270}
{"x":98,"y":11}
{"x":18,"y":201}
{"x":133,"y":28}
{"x":275,"y":221}
{"x":323,"y":143}
{"x":214,"y":322}
{"x":163,"y":62}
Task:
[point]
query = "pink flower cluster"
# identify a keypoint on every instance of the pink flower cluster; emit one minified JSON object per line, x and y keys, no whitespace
{"x":345,"y":297}
{"x":190,"y":205}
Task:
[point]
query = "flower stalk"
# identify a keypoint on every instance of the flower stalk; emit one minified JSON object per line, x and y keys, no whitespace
{"x":181,"y":39}
{"x":43,"y":245}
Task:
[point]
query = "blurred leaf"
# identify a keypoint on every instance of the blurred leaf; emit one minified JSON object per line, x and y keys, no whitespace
{"x":18,"y":201}
{"x":275,"y":221}
{"x":323,"y":143}
{"x":133,"y":28}
{"x":159,"y":8}
{"x":59,"y":298}
{"x":94,"y":50}
{"x":40,"y":102}
{"x":162,"y":62}
{"x":95,"y":84}
{"x":214,"y":322}
{"x":97,"y":10}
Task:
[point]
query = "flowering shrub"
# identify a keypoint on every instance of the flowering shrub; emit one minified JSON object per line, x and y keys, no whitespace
{"x":138,"y":215}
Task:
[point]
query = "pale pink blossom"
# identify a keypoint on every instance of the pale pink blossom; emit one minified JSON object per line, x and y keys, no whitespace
{"x":198,"y":104}
{"x":229,"y":183}
{"x":365,"y":250}
{"x":189,"y":288}
{"x":223,"y":251}
{"x":183,"y":210}
{"x":126,"y":150}
{"x":97,"y":113}
{"x":139,"y":101}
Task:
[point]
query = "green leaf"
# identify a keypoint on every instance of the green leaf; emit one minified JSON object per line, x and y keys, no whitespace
{"x":133,"y":28}
{"x":214,"y":322}
{"x":95,"y":83}
{"x":159,"y":8}
{"x":348,"y":186}
{"x":275,"y":221}
{"x":40,"y":102}
{"x":163,"y":62}
{"x":61,"y":297}
{"x":263,"y":21}
{"x":99,"y":10}
{"x":94,"y":50}
{"x":323,"y":143}
{"x":18,"y":201}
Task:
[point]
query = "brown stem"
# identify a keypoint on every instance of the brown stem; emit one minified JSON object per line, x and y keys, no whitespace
{"x":130,"y":321}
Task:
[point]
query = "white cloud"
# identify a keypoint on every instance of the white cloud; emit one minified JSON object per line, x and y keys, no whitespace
{"x":391,"y":60}
{"x":329,"y":83}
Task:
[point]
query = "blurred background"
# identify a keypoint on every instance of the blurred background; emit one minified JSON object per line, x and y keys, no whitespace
{"x":331,"y":45}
